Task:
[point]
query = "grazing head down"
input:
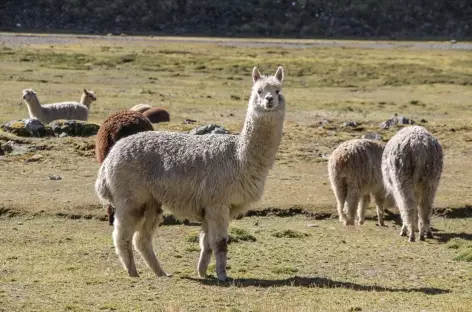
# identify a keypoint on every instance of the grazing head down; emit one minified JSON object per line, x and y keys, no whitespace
{"x":210,"y":178}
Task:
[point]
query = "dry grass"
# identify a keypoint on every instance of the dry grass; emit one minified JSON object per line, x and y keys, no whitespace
{"x":52,"y":263}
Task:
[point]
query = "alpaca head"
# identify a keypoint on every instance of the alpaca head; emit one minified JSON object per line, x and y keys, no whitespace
{"x":28,"y":94}
{"x":267,"y":91}
{"x":89,"y":96}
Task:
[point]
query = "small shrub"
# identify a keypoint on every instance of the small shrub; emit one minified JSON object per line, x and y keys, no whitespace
{"x":240,"y":235}
{"x":289,"y":234}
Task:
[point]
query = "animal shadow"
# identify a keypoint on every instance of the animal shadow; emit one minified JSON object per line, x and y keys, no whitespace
{"x":445,"y":237}
{"x":321,"y":282}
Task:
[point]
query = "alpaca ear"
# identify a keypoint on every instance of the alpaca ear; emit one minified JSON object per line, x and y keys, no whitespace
{"x":256,"y":75}
{"x":279,"y":74}
{"x":85,"y":90}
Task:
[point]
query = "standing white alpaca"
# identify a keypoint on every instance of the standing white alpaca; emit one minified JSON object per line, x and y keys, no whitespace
{"x":412,"y":164}
{"x":354,"y":170}
{"x":49,"y":112}
{"x":208,"y":178}
{"x":87,"y":98}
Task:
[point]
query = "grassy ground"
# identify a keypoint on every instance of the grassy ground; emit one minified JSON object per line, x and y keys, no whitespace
{"x":49,"y":262}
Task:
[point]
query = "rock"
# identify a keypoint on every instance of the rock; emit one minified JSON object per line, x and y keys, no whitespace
{"x":34,"y":158}
{"x":189,"y":121}
{"x":54,"y":177}
{"x":372,"y":136}
{"x":27,"y":128}
{"x":396,"y":120}
{"x":350,"y":124}
{"x":209,"y":129}
{"x":73,"y":128}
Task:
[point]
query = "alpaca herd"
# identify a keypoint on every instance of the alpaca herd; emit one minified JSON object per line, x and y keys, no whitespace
{"x":215,"y":178}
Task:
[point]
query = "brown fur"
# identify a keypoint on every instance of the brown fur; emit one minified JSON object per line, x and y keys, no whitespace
{"x":115,"y":127}
{"x":156,"y":114}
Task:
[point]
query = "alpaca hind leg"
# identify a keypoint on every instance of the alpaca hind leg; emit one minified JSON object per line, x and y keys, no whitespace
{"x":340,"y":191}
{"x":217,"y":218}
{"x":152,"y":216}
{"x":205,"y":251}
{"x":425,"y":210}
{"x":122,"y":235}
{"x":380,"y":206}
{"x":408,"y":209}
{"x":363,"y":204}
{"x":352,"y":203}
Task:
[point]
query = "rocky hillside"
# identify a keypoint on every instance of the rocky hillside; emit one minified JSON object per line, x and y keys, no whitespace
{"x":414,"y":19}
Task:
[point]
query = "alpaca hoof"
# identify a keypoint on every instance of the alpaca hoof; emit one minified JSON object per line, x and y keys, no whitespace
{"x":133,"y":274}
{"x":402,"y":233}
{"x":422,"y":238}
{"x":360,"y":222}
{"x":381,"y":224}
{"x":223,"y":278}
{"x":429,"y":235}
{"x":411,"y":239}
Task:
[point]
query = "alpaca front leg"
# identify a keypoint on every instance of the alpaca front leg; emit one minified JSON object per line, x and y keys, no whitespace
{"x":205,"y":252}
{"x":217,"y":219}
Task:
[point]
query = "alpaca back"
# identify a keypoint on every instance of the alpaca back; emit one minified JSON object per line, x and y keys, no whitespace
{"x":116,"y":127}
{"x":357,"y":163}
{"x":156,"y":115}
{"x":412,"y":157}
{"x":140,"y":108}
{"x":64,"y":110}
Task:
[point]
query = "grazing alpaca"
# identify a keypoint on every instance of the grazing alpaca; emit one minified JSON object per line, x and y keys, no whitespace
{"x":208,"y":178}
{"x":156,"y":115}
{"x":114,"y":128}
{"x":412,"y":164}
{"x":49,"y":112}
{"x":355,"y":173}
{"x":87,"y":98}
{"x":140,"y":108}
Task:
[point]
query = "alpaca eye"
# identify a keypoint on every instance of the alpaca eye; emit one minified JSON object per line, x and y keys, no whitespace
{"x":259,"y":91}
{"x":277,"y":92}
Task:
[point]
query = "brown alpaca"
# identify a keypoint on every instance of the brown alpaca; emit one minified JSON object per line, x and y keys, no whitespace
{"x":156,"y":114}
{"x":114,"y":128}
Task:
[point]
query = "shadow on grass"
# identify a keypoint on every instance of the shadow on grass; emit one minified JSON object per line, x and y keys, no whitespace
{"x":321,"y":282}
{"x":445,"y":237}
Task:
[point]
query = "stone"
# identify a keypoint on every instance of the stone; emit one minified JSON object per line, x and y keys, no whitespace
{"x":396,"y":120}
{"x":372,"y":136}
{"x":80,"y":128}
{"x":27,"y":128}
{"x":350,"y":124}
{"x":209,"y":129}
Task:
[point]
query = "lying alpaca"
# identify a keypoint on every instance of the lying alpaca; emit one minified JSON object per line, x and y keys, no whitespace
{"x":140,"y":108}
{"x":114,"y":128}
{"x":49,"y":112}
{"x":208,"y":178}
{"x":156,"y":115}
{"x":87,"y":98}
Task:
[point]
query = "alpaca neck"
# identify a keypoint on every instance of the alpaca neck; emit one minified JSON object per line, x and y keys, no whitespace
{"x":34,"y":108}
{"x":85,"y":100}
{"x":260,"y":139}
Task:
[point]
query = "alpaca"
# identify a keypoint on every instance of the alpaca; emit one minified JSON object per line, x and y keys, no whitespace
{"x":208,"y":178}
{"x":115,"y":127}
{"x":140,"y":108}
{"x":87,"y":98}
{"x":49,"y":112}
{"x":156,"y":115}
{"x":412,"y":164}
{"x":354,"y":170}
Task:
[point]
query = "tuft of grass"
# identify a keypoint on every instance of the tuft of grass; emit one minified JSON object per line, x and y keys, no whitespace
{"x":240,"y":235}
{"x":284,"y":270}
{"x":290,"y":234}
{"x":464,"y":248}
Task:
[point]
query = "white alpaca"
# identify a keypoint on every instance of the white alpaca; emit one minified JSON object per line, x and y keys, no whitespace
{"x":49,"y":112}
{"x":141,"y":108}
{"x":87,"y":98}
{"x":412,"y":164}
{"x":209,"y":178}
{"x":354,"y":170}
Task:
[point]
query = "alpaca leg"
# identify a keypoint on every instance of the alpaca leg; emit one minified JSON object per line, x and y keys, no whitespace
{"x":352,"y":203}
{"x":340,"y":191}
{"x":425,"y":210}
{"x":380,"y":205}
{"x":111,"y":214}
{"x":205,"y":251}
{"x":143,"y":237}
{"x":363,"y":204}
{"x":122,"y":236}
{"x":217,"y":218}
{"x":408,"y":209}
